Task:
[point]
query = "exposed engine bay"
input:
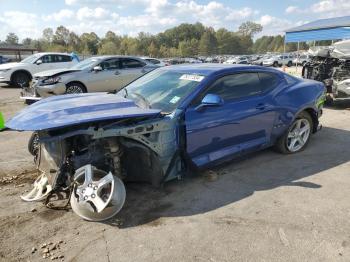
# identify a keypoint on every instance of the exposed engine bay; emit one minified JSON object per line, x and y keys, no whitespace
{"x":331,"y":65}
{"x":92,"y":162}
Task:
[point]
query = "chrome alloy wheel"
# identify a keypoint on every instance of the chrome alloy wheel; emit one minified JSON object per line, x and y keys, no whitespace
{"x":73,"y":89}
{"x":298,"y":135}
{"x":98,"y":196}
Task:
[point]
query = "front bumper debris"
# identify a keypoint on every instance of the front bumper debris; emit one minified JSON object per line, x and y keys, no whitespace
{"x":29,"y":93}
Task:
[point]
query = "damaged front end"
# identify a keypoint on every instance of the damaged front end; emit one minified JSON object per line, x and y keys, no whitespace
{"x":331,"y":65}
{"x":92,"y":159}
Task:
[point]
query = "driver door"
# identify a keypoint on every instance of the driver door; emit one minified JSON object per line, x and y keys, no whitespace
{"x":107,"y":79}
{"x":243,"y":122}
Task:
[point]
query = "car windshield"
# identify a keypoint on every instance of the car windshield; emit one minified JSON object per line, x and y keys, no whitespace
{"x":161,"y":89}
{"x":85,"y":64}
{"x":31,"y":59}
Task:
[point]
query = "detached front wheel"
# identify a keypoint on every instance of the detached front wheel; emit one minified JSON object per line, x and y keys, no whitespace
{"x":97,"y":195}
{"x":298,"y":135}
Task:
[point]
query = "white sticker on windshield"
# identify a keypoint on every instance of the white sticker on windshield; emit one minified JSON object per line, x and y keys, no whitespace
{"x":174,"y":99}
{"x":196,"y":78}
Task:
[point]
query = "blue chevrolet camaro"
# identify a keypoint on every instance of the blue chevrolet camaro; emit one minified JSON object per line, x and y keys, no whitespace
{"x":167,"y":121}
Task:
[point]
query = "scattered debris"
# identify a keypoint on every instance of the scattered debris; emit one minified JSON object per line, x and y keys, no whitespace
{"x":34,"y":250}
{"x":51,"y":250}
{"x":33,"y":210}
{"x":211,"y":176}
{"x":8,"y":180}
{"x":283,"y":237}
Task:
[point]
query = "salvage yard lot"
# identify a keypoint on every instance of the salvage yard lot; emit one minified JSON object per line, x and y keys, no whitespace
{"x":266,"y":207}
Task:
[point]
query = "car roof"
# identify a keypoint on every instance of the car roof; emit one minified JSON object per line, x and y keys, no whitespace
{"x":115,"y":56}
{"x":209,"y":69}
{"x":51,"y":53}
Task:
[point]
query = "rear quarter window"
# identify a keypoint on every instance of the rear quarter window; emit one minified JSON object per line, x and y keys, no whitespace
{"x":268,"y":81}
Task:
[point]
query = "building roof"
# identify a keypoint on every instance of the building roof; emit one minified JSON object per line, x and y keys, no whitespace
{"x":12,"y":48}
{"x":322,"y":24}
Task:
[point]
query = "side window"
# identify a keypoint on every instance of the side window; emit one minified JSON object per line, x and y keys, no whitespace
{"x":154,"y":61}
{"x":236,"y":86}
{"x":268,"y":81}
{"x":110,"y":64}
{"x":132,"y":63}
{"x":47,"y":59}
{"x":63,"y":58}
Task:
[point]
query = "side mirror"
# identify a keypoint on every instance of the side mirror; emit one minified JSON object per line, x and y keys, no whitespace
{"x":97,"y":68}
{"x":210,"y":100}
{"x":39,"y":62}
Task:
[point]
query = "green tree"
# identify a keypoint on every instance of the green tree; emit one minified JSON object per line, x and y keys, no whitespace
{"x":48,"y":35}
{"x":249,"y":29}
{"x":27,"y":41}
{"x":208,"y":43}
{"x":74,"y":42}
{"x":108,"y":48}
{"x":153,"y":50}
{"x":90,"y":43}
{"x":11,"y":39}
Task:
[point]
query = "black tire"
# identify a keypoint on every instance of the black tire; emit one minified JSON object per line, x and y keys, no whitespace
{"x":289,"y":64}
{"x":33,"y":144}
{"x":275,"y":64}
{"x":21,"y":79}
{"x":75,"y":88}
{"x":281,"y":144}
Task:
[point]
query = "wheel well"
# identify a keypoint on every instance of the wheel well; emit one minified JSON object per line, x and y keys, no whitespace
{"x":314,"y":118}
{"x":21,"y":71}
{"x":78,"y":82}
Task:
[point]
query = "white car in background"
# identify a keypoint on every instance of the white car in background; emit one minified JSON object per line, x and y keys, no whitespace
{"x":279,"y":60}
{"x":20,"y":74}
{"x":237,"y":60}
{"x":301,"y":60}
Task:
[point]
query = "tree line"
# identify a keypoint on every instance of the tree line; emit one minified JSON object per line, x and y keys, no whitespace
{"x":185,"y":40}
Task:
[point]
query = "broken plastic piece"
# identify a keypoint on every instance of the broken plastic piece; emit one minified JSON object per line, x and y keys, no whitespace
{"x":41,"y":189}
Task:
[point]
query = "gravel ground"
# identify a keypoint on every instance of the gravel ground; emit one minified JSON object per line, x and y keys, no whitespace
{"x":267,"y":207}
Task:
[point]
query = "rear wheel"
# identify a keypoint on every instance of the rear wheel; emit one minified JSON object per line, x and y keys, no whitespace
{"x":75,"y":88}
{"x":275,"y":64}
{"x":20,"y":79}
{"x":297,"y":136}
{"x":289,"y":63}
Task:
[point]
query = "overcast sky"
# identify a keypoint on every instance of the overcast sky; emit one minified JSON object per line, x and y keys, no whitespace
{"x":27,"y":18}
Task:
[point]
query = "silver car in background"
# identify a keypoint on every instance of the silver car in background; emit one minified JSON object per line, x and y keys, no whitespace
{"x":96,"y":74}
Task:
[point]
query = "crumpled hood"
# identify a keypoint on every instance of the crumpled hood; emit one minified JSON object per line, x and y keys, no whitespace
{"x":11,"y":65}
{"x":65,"y":110}
{"x":55,"y":72}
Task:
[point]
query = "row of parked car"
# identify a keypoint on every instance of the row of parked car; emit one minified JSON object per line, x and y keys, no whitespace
{"x":45,"y":74}
{"x":274,"y":60}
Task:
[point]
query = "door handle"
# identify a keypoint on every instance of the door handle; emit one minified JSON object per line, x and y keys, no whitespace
{"x":117,"y":72}
{"x":261,"y":106}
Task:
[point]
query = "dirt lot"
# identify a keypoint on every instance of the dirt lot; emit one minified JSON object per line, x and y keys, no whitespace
{"x":268,"y":207}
